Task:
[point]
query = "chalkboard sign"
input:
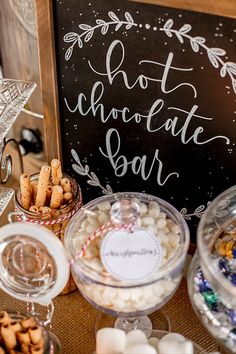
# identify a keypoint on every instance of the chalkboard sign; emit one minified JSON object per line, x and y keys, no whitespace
{"x":147,"y":100}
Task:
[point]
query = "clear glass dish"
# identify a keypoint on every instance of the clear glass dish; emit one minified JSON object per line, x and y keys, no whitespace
{"x":13,"y":96}
{"x":131,"y":303}
{"x":159,"y":334}
{"x":212,"y":274}
{"x":5,"y":197}
{"x":51,"y":344}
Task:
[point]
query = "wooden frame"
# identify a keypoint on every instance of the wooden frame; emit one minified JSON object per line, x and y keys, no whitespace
{"x":48,"y":74}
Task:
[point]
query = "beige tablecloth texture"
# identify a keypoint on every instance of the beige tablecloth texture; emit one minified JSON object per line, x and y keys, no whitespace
{"x":74,"y":318}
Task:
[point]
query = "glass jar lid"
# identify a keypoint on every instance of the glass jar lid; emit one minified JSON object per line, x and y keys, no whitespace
{"x":216,"y":240}
{"x":33,"y":263}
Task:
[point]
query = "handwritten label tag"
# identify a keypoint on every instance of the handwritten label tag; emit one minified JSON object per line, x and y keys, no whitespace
{"x":131,"y":256}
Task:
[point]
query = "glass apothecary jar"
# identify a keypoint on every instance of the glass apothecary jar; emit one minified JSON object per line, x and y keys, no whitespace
{"x":212,"y":274}
{"x":111,"y":243}
{"x":33,"y":269}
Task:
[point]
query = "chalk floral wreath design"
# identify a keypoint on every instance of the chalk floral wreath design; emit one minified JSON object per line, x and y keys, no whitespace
{"x":214,"y":54}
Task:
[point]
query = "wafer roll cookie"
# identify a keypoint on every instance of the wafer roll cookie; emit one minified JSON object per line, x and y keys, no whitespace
{"x":35,"y":334}
{"x":4,"y":317}
{"x":57,"y":197}
{"x":42,"y":186}
{"x":25,"y":191}
{"x":16,"y":326}
{"x":23,"y":336}
{"x":67,"y":196}
{"x":36,"y":349}
{"x":49,"y":194}
{"x":65,"y":183}
{"x":33,"y":188}
{"x":56,"y":171}
{"x":8,"y":336}
{"x":34,"y":209}
{"x":28,"y":322}
{"x":25,"y":348}
{"x":46,"y":210}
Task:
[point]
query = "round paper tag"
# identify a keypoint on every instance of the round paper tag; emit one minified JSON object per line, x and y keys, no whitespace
{"x":131,"y":256}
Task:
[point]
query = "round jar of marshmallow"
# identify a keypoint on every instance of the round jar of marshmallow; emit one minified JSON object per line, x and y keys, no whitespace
{"x":212,"y":274}
{"x":111,"y":231}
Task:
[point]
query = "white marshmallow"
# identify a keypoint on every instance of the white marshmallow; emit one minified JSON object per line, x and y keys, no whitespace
{"x":173,"y":337}
{"x":158,"y":289}
{"x":161,"y":223}
{"x":110,"y":340}
{"x":147,"y":220}
{"x":153,"y":341}
{"x":175,"y":347}
{"x":102,"y":218}
{"x":136,"y":337}
{"x":136,"y":294}
{"x":104,"y":206}
{"x":96,"y":264}
{"x":140,"y":349}
{"x":124,"y":294}
{"x":91,"y":252}
{"x":91,"y":228}
{"x":143,"y":208}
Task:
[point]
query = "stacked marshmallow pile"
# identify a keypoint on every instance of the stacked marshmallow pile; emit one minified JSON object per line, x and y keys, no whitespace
{"x":138,"y":298}
{"x":115,"y":341}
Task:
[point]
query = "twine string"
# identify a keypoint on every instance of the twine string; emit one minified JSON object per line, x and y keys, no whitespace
{"x":109,"y":226}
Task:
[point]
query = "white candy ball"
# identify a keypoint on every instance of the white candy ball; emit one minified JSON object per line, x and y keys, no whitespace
{"x":136,"y":337}
{"x":136,"y":294}
{"x":140,"y":349}
{"x":110,"y":340}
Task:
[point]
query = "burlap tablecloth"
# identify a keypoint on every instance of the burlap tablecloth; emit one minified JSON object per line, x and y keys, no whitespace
{"x":74,"y":318}
{"x":74,"y":321}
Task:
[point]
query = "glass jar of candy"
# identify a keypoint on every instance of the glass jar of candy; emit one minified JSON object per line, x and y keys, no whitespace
{"x":212,"y":274}
{"x":55,"y":220}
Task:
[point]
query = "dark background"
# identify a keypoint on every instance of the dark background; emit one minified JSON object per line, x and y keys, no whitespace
{"x":205,"y":170}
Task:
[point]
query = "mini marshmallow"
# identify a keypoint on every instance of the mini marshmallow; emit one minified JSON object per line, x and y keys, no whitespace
{"x":161,"y":223}
{"x":140,"y":349}
{"x":110,"y":340}
{"x":104,"y":206}
{"x":143,"y":208}
{"x":147,"y":220}
{"x":136,"y":337}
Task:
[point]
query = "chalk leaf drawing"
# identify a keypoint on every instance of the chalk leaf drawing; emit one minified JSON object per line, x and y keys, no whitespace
{"x":214,"y":54}
{"x":199,"y":211}
{"x":88,"y":31}
{"x":85,"y":171}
